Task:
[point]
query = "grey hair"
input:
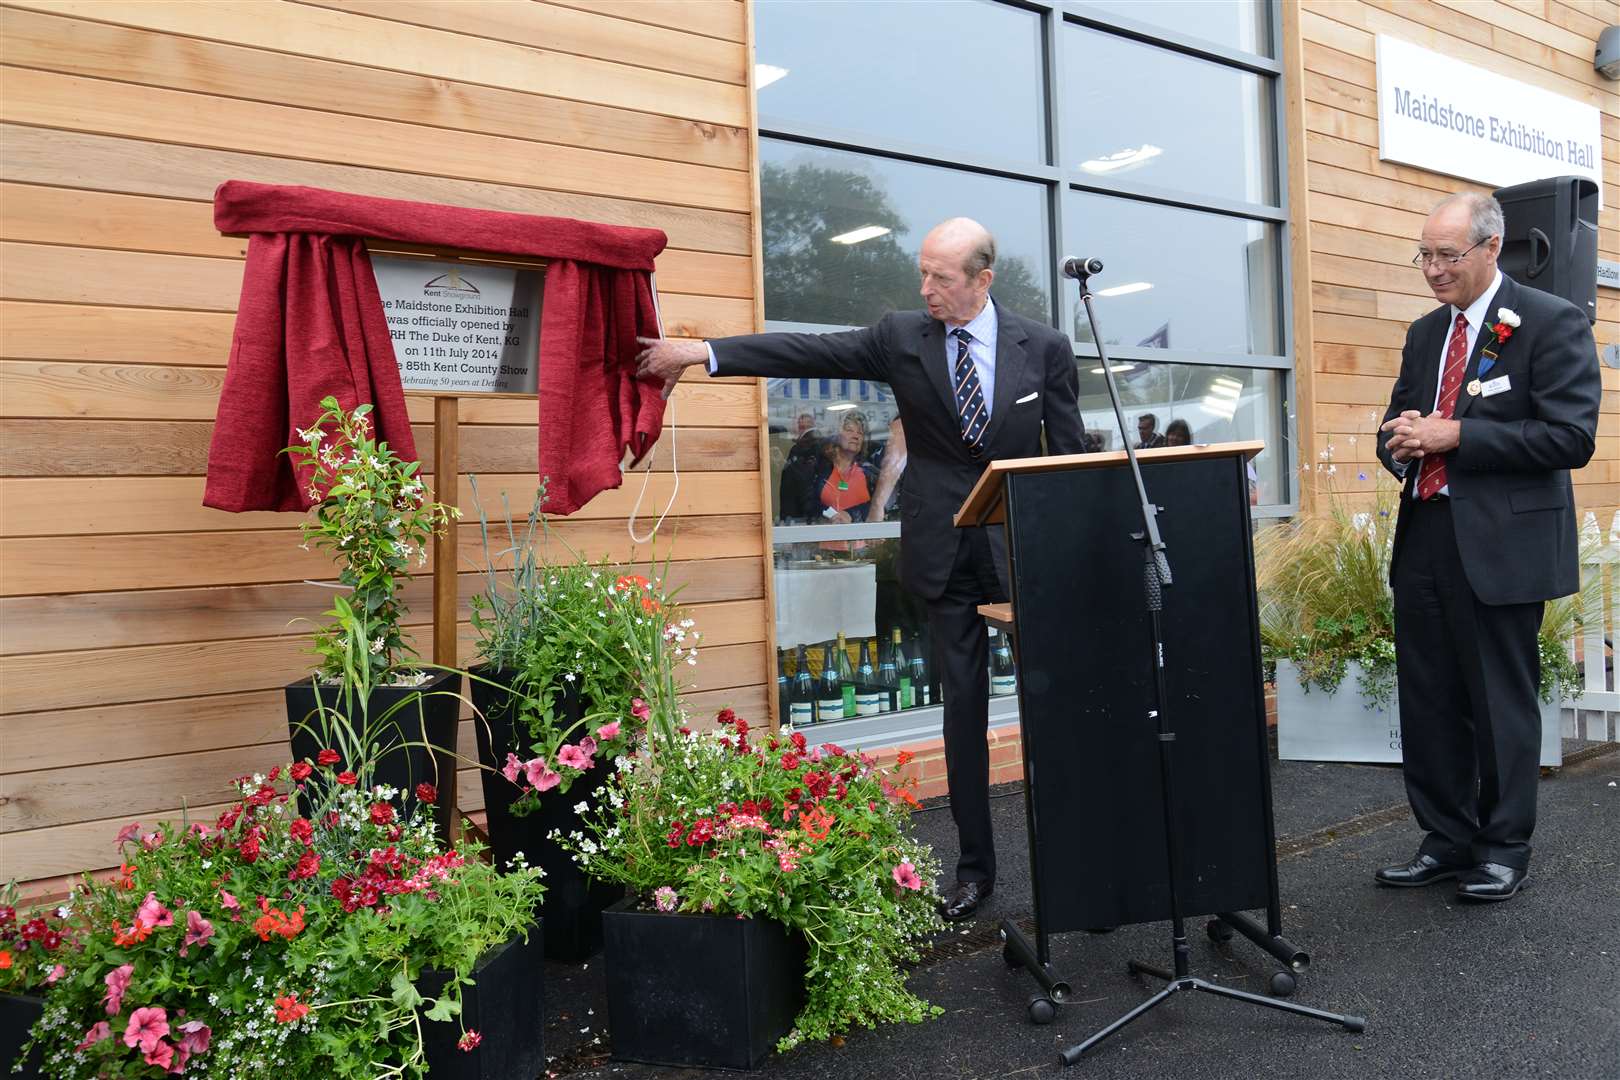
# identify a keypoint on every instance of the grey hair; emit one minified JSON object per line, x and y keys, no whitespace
{"x":1484,"y":214}
{"x":982,"y":257}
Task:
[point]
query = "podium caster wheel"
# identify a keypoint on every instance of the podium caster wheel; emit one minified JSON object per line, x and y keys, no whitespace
{"x":1218,"y":931}
{"x":1042,"y":1010}
{"x":1283,"y":984}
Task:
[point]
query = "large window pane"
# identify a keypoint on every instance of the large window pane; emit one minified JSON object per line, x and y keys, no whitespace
{"x":963,"y":76}
{"x":1175,"y":279}
{"x":1193,"y":403}
{"x":828,"y":442}
{"x":1237,"y":24}
{"x":1127,"y":113}
{"x":842,"y":232}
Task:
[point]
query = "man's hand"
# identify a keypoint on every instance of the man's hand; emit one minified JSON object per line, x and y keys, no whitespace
{"x":1413,"y":435}
{"x":665,"y":360}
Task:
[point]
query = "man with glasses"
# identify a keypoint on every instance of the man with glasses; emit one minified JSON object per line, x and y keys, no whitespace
{"x":974,"y":382}
{"x":1496,"y":401}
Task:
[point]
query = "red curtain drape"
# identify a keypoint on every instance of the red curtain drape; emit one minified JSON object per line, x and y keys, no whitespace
{"x":310,"y":323}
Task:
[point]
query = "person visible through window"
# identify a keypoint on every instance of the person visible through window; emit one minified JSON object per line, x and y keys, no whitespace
{"x":1178,"y":434}
{"x":1147,"y":432}
{"x":844,"y":478}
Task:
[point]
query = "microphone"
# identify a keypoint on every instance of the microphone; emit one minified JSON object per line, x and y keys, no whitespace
{"x":1076,"y":267}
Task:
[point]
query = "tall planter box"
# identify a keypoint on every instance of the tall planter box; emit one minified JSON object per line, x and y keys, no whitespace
{"x":505,"y":1004}
{"x":1341,"y":726}
{"x":430,"y":719}
{"x":573,"y":904}
{"x":18,"y":1014}
{"x":699,"y":990}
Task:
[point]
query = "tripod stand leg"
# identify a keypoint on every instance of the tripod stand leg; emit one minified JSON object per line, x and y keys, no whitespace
{"x":1074,"y":1053}
{"x":1350,"y":1023}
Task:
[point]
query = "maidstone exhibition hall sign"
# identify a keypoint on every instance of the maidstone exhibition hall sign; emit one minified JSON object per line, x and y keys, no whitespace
{"x":1449,"y":117}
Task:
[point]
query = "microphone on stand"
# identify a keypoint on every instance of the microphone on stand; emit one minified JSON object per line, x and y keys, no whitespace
{"x":1081,"y":268}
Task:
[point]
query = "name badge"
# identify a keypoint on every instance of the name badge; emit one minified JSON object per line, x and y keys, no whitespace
{"x":1495,"y":386}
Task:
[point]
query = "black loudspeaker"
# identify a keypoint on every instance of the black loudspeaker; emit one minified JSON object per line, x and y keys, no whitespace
{"x":1550,"y":239}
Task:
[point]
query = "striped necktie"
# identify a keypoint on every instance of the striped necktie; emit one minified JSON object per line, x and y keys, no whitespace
{"x":1432,"y":473}
{"x":970,"y":408}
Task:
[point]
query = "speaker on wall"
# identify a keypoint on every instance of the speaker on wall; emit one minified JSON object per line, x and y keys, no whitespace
{"x":1550,"y":238}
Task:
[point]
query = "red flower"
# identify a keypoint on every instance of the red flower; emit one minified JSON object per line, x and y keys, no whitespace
{"x":302,"y":830}
{"x":308,"y":864}
{"x":798,"y":741}
{"x":726,"y":717}
{"x":289,"y":1009}
{"x":5,"y":959}
{"x":381,"y":813}
{"x":347,"y":779}
{"x":33,"y":929}
{"x":790,"y":761}
{"x":276,"y":921}
{"x":249,"y":847}
{"x":328,"y":757}
{"x":469,"y":1042}
{"x":1502,"y":331}
{"x":427,"y":793}
{"x":904,"y":758}
{"x":301,"y":771}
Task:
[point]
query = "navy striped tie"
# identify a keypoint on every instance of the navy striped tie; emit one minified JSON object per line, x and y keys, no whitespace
{"x":969,"y":395}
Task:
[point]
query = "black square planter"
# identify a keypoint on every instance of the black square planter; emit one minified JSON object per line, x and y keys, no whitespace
{"x":431,"y":719}
{"x":700,"y":990}
{"x":505,"y":1005}
{"x":573,"y":903}
{"x":18,"y":1014}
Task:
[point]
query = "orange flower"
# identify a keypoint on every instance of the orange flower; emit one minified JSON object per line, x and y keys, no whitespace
{"x":5,"y":959}
{"x":904,"y":758}
{"x":817,"y":823}
{"x":289,"y":1009}
{"x":127,"y":880}
{"x":635,"y":583}
{"x":140,"y":931}
{"x":906,"y":795}
{"x":276,"y":921}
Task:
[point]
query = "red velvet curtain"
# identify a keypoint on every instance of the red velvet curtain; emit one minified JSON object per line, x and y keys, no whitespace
{"x":310,"y":324}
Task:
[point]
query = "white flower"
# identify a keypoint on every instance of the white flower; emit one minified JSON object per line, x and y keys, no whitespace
{"x":376,"y":645}
{"x":1509,"y":316}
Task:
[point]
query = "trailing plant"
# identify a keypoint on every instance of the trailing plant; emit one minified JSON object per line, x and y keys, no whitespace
{"x":734,"y":823}
{"x":373,"y":513}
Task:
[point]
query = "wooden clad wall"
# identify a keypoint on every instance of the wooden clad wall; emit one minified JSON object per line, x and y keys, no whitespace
{"x":1358,"y":218}
{"x":143,"y":638}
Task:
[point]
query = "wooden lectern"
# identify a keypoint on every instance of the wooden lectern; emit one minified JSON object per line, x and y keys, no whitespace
{"x":1084,"y":646}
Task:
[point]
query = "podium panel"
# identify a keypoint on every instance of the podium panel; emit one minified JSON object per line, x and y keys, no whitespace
{"x":1084,"y":644}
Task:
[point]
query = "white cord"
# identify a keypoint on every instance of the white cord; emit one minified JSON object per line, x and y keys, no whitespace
{"x":674,"y":467}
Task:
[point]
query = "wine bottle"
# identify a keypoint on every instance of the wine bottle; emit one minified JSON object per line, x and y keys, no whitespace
{"x":919,"y":678}
{"x":802,"y":706}
{"x":830,"y":692}
{"x":846,"y":677}
{"x":889,"y":681}
{"x":869,"y":700}
{"x":905,"y":693}
{"x":1003,"y":678}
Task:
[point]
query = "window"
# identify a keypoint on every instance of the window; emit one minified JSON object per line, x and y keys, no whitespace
{"x":1238,"y":24}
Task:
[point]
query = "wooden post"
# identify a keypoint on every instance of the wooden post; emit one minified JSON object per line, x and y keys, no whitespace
{"x":446,"y":598}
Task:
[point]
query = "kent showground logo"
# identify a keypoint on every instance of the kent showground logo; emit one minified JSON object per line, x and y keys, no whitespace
{"x":451,"y":284}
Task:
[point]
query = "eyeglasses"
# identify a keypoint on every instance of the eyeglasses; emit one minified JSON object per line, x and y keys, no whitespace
{"x":1444,"y":258}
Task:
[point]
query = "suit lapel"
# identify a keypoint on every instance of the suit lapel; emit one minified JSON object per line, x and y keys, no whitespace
{"x":1503,"y":298}
{"x":1009,"y":370}
{"x":931,"y":354}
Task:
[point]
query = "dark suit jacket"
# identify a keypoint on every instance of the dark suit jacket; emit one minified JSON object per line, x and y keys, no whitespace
{"x":907,"y":351}
{"x":1511,"y":498}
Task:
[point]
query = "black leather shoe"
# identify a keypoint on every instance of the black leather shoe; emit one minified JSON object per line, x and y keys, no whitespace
{"x":1422,"y":870}
{"x":961,"y":902}
{"x":1491,"y":881}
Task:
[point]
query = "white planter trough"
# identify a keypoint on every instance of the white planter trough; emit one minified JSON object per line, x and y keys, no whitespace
{"x":1340,"y":726}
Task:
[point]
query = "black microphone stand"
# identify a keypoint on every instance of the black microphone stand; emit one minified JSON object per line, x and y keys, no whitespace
{"x":1155,"y":579}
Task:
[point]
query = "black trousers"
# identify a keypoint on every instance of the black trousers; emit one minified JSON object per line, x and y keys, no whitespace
{"x":1468,"y":675}
{"x":961,"y":650}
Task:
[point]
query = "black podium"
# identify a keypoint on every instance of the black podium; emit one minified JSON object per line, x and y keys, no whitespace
{"x":1083,"y":643}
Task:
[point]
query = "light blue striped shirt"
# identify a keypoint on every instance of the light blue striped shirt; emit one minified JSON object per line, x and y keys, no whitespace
{"x":981,"y":350}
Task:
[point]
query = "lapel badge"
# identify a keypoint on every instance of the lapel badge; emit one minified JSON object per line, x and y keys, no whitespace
{"x":1473,"y":388}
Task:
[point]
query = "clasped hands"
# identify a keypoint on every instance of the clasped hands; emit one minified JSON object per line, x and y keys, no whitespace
{"x":1413,"y":435}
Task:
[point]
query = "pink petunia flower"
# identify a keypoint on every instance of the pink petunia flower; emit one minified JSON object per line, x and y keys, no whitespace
{"x":147,"y":1026}
{"x":198,"y":930}
{"x":573,"y":757}
{"x":608,"y":731}
{"x":98,"y":1031}
{"x":229,"y":902}
{"x":117,"y":981}
{"x":548,"y":780}
{"x":56,"y":973}
{"x":127,"y":833}
{"x":512,"y":768}
{"x":533,"y":770}
{"x":152,"y":841}
{"x":195,"y":1036}
{"x":588,"y":745}
{"x":905,"y":876}
{"x":161,"y":1055}
{"x":153,"y":913}
{"x":640,"y":709}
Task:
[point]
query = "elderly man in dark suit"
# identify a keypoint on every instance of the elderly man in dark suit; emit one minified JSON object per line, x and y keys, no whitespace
{"x":974,"y":382}
{"x":1497,"y":400}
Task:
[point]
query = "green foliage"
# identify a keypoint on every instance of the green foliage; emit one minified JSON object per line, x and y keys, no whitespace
{"x":371,"y":511}
{"x":1325,"y":602}
{"x":269,"y":945}
{"x":819,"y":840}
{"x":596,"y":632}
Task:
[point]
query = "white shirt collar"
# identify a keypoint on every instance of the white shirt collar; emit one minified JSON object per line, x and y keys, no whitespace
{"x":1475,"y":313}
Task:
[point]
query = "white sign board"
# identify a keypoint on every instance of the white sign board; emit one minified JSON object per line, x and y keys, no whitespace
{"x":1608,"y":273}
{"x":461,"y":328}
{"x":1449,"y":117}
